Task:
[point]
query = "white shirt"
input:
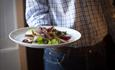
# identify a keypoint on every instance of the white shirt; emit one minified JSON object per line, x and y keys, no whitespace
{"x":86,"y":16}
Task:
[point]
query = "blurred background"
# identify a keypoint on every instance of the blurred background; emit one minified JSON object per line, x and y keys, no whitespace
{"x":9,"y":53}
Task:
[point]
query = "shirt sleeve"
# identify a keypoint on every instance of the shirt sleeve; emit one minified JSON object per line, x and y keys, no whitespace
{"x":37,"y":13}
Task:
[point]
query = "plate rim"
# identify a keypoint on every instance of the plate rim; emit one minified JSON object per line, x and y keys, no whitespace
{"x":41,"y":45}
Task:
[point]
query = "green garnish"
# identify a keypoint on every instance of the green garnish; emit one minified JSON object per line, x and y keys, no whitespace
{"x":40,"y":40}
{"x":54,"y":41}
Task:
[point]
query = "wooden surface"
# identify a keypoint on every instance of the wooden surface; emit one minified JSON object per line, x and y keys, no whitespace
{"x":20,"y":13}
{"x":23,"y":58}
{"x":30,"y":58}
{"x":20,"y":24}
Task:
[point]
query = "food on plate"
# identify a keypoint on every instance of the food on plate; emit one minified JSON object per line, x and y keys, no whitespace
{"x":43,"y":35}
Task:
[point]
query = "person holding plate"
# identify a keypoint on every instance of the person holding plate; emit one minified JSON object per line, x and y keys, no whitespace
{"x":86,"y":16}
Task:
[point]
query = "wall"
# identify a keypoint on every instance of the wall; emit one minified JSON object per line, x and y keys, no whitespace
{"x":9,"y":52}
{"x":7,"y":22}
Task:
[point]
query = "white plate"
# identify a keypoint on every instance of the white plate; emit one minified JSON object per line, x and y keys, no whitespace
{"x":19,"y":34}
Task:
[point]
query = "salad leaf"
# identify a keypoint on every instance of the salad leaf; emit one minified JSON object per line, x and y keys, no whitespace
{"x":54,"y":41}
{"x":49,"y":42}
{"x":40,"y":40}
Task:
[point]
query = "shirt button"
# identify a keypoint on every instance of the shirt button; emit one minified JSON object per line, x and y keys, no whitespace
{"x":90,"y":51}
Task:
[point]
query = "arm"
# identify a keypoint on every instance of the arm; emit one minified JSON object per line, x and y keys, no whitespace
{"x":37,"y":13}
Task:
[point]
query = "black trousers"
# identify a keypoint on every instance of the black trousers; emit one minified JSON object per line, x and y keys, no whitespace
{"x":102,"y":58}
{"x":98,"y":57}
{"x":110,"y":52}
{"x":88,"y":58}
